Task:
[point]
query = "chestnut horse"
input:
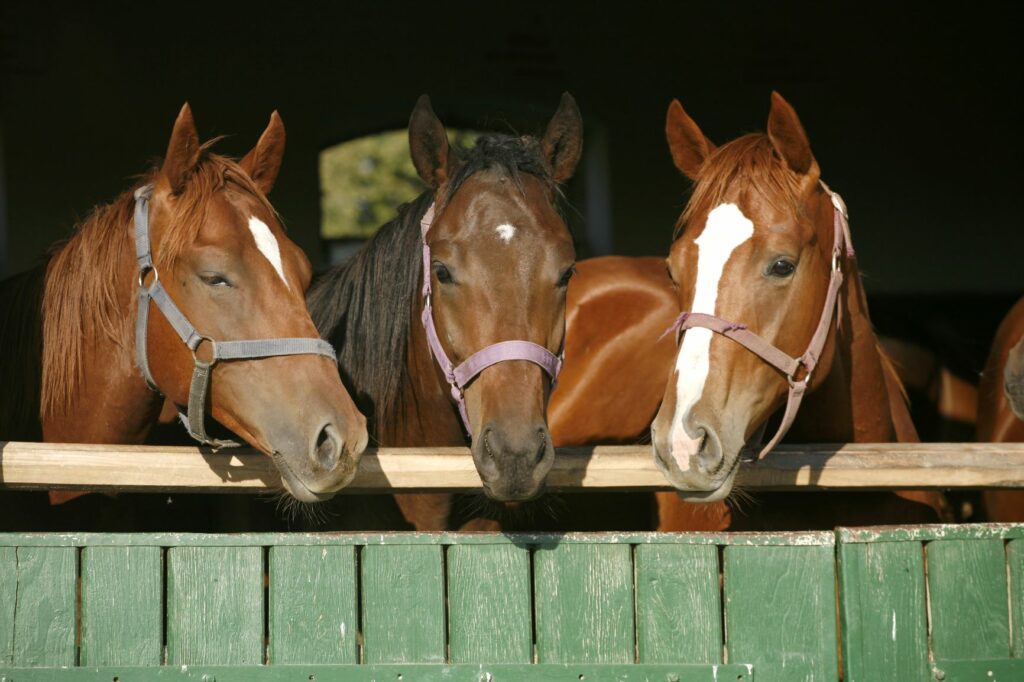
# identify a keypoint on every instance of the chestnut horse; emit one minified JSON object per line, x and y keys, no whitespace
{"x":72,"y":371}
{"x":477,"y":266}
{"x":765,"y":230}
{"x":1001,"y":407}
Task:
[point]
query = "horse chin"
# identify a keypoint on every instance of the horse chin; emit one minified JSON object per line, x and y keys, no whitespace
{"x":706,"y":497}
{"x":295,"y":487}
{"x":698,"y":488}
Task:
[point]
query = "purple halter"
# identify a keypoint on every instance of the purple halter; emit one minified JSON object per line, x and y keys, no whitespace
{"x":459,"y":376}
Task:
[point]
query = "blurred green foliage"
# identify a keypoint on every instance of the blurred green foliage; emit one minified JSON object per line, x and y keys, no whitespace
{"x":363,"y":181}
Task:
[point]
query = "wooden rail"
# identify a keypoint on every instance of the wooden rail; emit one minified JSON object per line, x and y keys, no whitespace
{"x":804,"y":467}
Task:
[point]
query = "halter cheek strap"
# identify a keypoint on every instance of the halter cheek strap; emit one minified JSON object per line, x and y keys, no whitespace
{"x":459,"y":376}
{"x":194,"y":418}
{"x":796,"y":370}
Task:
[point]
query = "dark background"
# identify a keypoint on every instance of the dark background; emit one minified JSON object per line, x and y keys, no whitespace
{"x":912,"y":111}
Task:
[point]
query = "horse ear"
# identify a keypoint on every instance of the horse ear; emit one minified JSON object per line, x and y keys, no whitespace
{"x":563,"y":140}
{"x":263,"y":162}
{"x":687,"y":144}
{"x":182,"y":151}
{"x":788,"y":137}
{"x":428,"y":144}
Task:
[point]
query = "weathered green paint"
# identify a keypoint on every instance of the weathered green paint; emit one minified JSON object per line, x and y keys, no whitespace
{"x":403,"y":604}
{"x":678,"y":604}
{"x":780,"y":611}
{"x":396,"y":673}
{"x":883,"y":615}
{"x":214,"y":605}
{"x":584,"y":603}
{"x":968,"y":598}
{"x":313,"y":605}
{"x":8,"y":598}
{"x":992,"y":670}
{"x":1015,"y":569}
{"x":122,"y":606}
{"x":44,"y":617}
{"x":489,"y":618}
{"x":967,"y":531}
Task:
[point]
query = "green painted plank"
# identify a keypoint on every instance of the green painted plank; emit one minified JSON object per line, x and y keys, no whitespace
{"x":44,"y":618}
{"x":980,"y":670}
{"x":394,"y":673}
{"x":883,"y":612}
{"x":678,"y":604}
{"x":313,"y":605}
{"x":489,"y":619}
{"x":824,"y":538}
{"x":8,"y":598}
{"x":780,"y":611}
{"x":214,"y":605}
{"x":1015,"y":566}
{"x":122,"y":606}
{"x":403,"y":604}
{"x":927,"y":533}
{"x":968,"y":597}
{"x":584,"y":604}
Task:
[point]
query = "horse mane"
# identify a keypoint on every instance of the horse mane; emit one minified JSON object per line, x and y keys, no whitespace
{"x":85,"y":299}
{"x":364,"y":306}
{"x":750,"y":159}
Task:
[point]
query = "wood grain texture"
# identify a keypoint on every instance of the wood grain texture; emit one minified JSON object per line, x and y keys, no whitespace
{"x":313,"y":605}
{"x":44,"y":617}
{"x":583,"y":603}
{"x":883,"y":612}
{"x":780,"y":611}
{"x":489,"y":618}
{"x":1015,"y":566}
{"x":968,"y":597}
{"x":848,"y":466}
{"x":8,"y":598}
{"x":215,"y":605}
{"x":122,"y":606}
{"x":403,"y":604}
{"x":678,"y":604}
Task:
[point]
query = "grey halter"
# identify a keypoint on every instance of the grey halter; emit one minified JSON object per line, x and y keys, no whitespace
{"x":194,"y":418}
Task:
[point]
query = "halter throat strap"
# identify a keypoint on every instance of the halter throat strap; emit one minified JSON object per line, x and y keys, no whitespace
{"x":194,"y":417}
{"x":461,"y":375}
{"x":797,"y":370}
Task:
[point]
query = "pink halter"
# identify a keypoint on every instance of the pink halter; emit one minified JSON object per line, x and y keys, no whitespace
{"x":459,"y":376}
{"x":842,"y":247}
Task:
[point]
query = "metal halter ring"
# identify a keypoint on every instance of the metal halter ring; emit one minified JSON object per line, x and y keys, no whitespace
{"x":793,"y":381}
{"x":195,"y":350}
{"x":144,"y":272}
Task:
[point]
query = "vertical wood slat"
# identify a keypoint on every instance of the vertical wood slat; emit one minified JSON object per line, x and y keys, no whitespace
{"x":883,"y":612}
{"x":403,"y":604}
{"x":780,"y":611}
{"x":678,"y":604}
{"x":8,"y":597}
{"x":214,"y":605}
{"x":584,"y":603}
{"x":489,"y":618}
{"x":968,"y":598}
{"x":313,"y":605}
{"x":1015,"y":564}
{"x":44,"y":619}
{"x":122,"y":606}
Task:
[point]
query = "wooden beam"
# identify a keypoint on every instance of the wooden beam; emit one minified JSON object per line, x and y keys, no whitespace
{"x":805,"y":467}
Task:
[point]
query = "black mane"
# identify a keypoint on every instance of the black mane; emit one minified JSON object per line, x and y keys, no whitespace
{"x":364,"y":307}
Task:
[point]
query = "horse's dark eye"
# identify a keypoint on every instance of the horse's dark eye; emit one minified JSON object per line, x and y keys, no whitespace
{"x":563,"y":281}
{"x":214,"y":279}
{"x":442,"y":273}
{"x":781,"y":268}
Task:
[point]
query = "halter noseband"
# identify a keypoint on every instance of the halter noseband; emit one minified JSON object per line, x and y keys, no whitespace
{"x":194,"y":419}
{"x":459,"y":376}
{"x":797,"y":370}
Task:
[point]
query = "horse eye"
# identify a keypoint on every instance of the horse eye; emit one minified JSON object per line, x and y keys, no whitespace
{"x":563,"y":281}
{"x":781,"y":268}
{"x":442,"y":273}
{"x":214,"y":279}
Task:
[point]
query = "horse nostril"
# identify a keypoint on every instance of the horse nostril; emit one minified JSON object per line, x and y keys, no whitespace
{"x":543,"y":449}
{"x":327,"y":448}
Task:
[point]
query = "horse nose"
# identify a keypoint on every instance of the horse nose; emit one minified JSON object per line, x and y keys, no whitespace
{"x":513,"y":462}
{"x":702,"y":450}
{"x":326,"y":448}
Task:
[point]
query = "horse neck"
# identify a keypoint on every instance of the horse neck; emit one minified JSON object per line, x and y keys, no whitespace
{"x":859,"y":400}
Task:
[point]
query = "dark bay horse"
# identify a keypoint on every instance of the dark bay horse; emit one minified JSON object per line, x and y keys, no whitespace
{"x":763,"y":259}
{"x":499,"y":258}
{"x":1001,"y":407}
{"x":72,"y":370}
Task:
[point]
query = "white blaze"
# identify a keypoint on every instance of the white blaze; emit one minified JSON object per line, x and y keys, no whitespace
{"x":505,"y":232}
{"x":267,"y":244}
{"x":725,"y":230}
